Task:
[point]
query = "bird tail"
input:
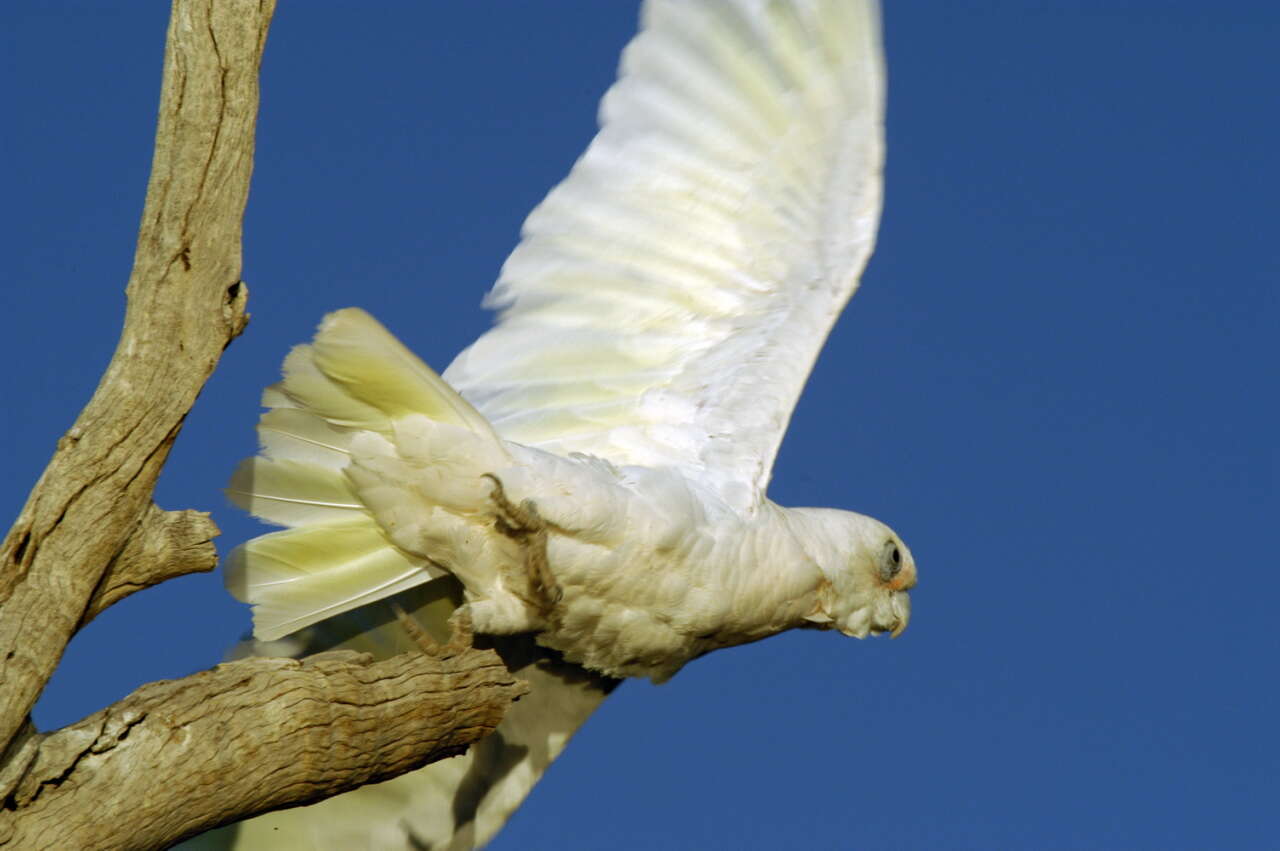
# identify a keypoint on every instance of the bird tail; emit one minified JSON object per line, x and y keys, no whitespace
{"x":372,"y":462}
{"x":376,"y":467}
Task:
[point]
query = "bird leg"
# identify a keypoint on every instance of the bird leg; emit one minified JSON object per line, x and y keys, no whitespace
{"x":460,"y":634}
{"x":523,"y":524}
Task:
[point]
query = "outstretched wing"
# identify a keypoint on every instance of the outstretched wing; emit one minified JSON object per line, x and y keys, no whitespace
{"x":668,"y":299}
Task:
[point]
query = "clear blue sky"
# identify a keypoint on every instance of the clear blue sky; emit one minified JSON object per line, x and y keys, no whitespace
{"x":1056,"y":383}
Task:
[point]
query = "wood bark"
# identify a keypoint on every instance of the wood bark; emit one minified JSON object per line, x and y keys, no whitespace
{"x":179,"y":757}
{"x":185,"y":304}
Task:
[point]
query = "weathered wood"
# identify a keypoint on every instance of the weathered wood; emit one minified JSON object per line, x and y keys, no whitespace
{"x":185,"y":304}
{"x":179,"y":757}
{"x":164,"y":545}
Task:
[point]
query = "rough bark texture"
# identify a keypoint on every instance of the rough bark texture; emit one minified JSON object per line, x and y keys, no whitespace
{"x":185,"y":304}
{"x":244,"y":738}
{"x":178,"y":757}
{"x":165,"y":544}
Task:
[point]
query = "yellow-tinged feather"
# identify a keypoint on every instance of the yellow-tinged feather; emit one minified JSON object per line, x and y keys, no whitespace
{"x":357,"y":353}
{"x":292,"y":493}
{"x":298,"y":435}
{"x":297,"y":577}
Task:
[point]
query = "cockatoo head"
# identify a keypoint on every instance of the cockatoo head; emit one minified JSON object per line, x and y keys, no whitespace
{"x":868,"y":572}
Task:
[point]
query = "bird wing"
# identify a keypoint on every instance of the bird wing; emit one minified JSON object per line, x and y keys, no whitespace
{"x":668,"y":299}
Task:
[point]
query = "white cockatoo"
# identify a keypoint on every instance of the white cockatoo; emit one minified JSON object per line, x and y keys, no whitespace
{"x":585,"y":484}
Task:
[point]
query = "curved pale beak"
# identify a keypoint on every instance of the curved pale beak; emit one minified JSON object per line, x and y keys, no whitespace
{"x":901,"y":604}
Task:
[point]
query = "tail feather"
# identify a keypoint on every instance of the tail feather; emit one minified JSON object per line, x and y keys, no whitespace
{"x":292,"y":493}
{"x":308,"y":388}
{"x":371,"y":367}
{"x":376,"y":466}
{"x":301,"y":576}
{"x":366,"y":513}
{"x":295,"y":434}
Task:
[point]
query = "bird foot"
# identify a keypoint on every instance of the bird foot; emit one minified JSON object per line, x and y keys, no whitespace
{"x":523,"y":524}
{"x":461,"y":632}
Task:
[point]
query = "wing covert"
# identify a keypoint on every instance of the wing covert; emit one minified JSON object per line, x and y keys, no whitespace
{"x":668,"y":299}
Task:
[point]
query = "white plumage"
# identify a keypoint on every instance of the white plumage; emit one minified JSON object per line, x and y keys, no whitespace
{"x":590,"y":474}
{"x":668,"y":299}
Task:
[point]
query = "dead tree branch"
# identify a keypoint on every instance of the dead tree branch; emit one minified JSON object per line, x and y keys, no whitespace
{"x":185,"y":304}
{"x":178,"y":757}
{"x":165,"y":544}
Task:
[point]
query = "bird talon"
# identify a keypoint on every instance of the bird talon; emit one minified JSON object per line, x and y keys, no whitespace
{"x":523,"y":524}
{"x":416,"y":632}
{"x":461,"y":629}
{"x":514,"y":520}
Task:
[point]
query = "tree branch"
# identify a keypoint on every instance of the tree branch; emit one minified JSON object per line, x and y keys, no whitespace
{"x":185,"y":304}
{"x":244,"y":738}
{"x":179,"y":757}
{"x":164,"y":545}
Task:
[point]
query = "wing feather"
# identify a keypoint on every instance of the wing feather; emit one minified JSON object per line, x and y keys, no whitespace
{"x":668,"y":299}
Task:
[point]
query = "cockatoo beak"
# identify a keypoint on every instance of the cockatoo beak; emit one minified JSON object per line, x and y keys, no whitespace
{"x":901,"y":608}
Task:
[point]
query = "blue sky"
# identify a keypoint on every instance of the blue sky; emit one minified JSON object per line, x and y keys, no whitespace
{"x":1056,"y":383}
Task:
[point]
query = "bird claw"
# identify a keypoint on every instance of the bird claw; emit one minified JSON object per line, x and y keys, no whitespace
{"x":460,"y":621}
{"x":460,"y":631}
{"x":416,"y":633}
{"x":514,"y":521}
{"x":523,"y":524}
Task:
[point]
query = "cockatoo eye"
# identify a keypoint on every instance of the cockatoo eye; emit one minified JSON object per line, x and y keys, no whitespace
{"x":890,"y":561}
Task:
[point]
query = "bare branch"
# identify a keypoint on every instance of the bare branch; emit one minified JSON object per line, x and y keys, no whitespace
{"x":247,"y":737}
{"x":164,"y":545}
{"x":177,"y":758}
{"x":185,"y":304}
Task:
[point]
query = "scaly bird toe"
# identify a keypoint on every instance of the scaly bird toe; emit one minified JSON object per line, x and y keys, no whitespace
{"x":523,"y":524}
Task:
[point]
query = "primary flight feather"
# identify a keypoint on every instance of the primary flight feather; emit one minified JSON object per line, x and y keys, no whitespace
{"x":587,"y":480}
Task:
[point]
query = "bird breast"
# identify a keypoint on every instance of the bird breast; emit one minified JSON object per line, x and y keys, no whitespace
{"x":688,"y":576}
